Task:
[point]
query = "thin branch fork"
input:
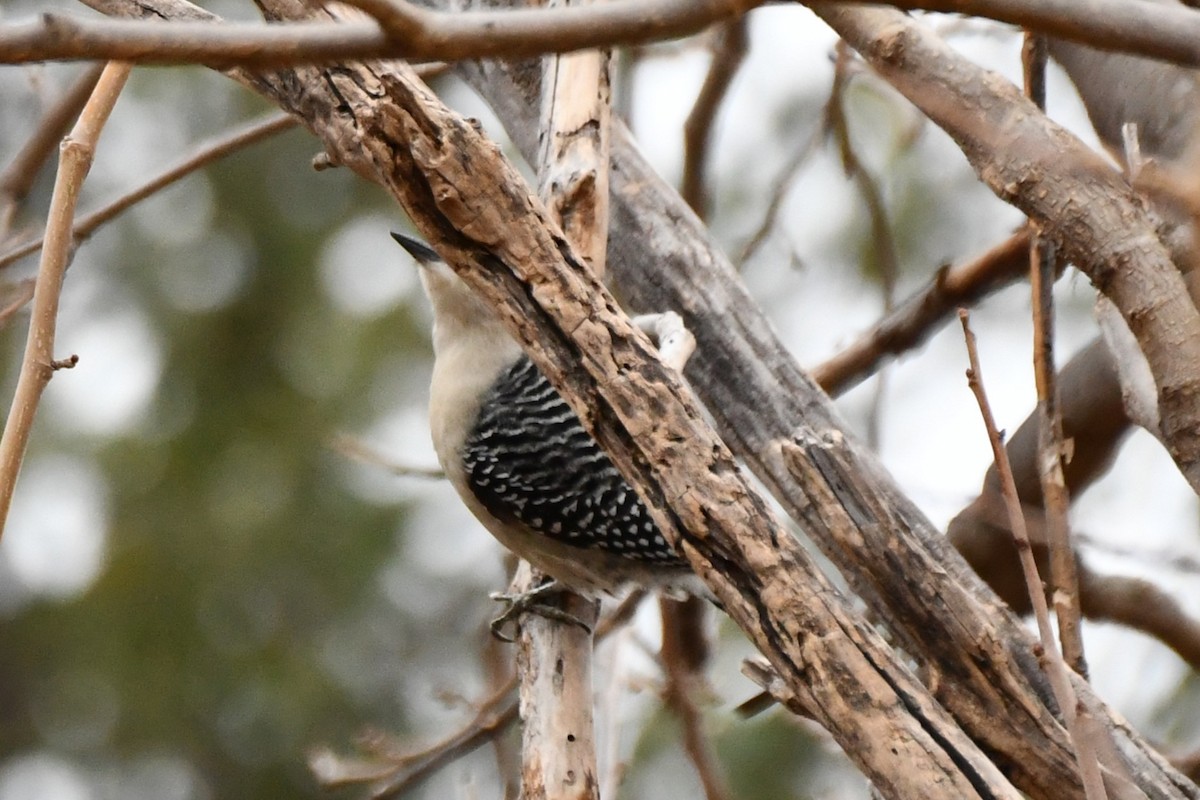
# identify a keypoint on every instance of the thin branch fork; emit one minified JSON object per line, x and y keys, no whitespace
{"x":729,"y":50}
{"x":391,"y":772}
{"x":392,"y":769}
{"x":883,"y":243}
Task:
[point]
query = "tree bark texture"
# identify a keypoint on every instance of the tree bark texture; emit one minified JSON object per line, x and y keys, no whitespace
{"x":554,"y":663}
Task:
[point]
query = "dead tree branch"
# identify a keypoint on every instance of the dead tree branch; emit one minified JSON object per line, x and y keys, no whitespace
{"x":1167,"y":32}
{"x":849,"y":681}
{"x":486,"y":225}
{"x":401,"y":30}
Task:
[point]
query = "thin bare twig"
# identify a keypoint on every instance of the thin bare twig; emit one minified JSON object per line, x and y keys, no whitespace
{"x":1051,"y":659}
{"x":683,"y":656}
{"x":37,"y":363}
{"x":917,"y":317}
{"x":497,"y":715}
{"x":14,"y":297}
{"x":399,"y":30}
{"x":728,"y":53}
{"x":356,"y":449}
{"x":884,"y":245}
{"x":392,"y":771}
{"x":207,"y":152}
{"x":838,"y":125}
{"x":496,"y":661}
{"x":18,"y":177}
{"x":1064,"y":578}
{"x":779,"y":194}
{"x":1171,"y":33}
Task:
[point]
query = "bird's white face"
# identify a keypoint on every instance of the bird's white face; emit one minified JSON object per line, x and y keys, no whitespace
{"x":471,"y":348}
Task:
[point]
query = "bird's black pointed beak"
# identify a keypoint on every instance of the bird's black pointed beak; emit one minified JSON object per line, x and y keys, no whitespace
{"x":423,"y":253}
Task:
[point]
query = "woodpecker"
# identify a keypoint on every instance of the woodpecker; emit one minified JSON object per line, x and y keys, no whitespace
{"x":520,"y":458}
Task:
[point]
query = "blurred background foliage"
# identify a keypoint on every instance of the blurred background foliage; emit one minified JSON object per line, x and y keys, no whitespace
{"x":196,"y":586}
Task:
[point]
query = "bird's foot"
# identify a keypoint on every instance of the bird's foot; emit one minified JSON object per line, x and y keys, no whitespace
{"x":535,"y":601}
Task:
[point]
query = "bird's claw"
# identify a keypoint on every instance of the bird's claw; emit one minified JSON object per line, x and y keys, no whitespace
{"x":533,"y":601}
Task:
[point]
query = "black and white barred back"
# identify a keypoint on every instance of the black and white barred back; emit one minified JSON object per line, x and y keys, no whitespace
{"x":528,"y":458}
